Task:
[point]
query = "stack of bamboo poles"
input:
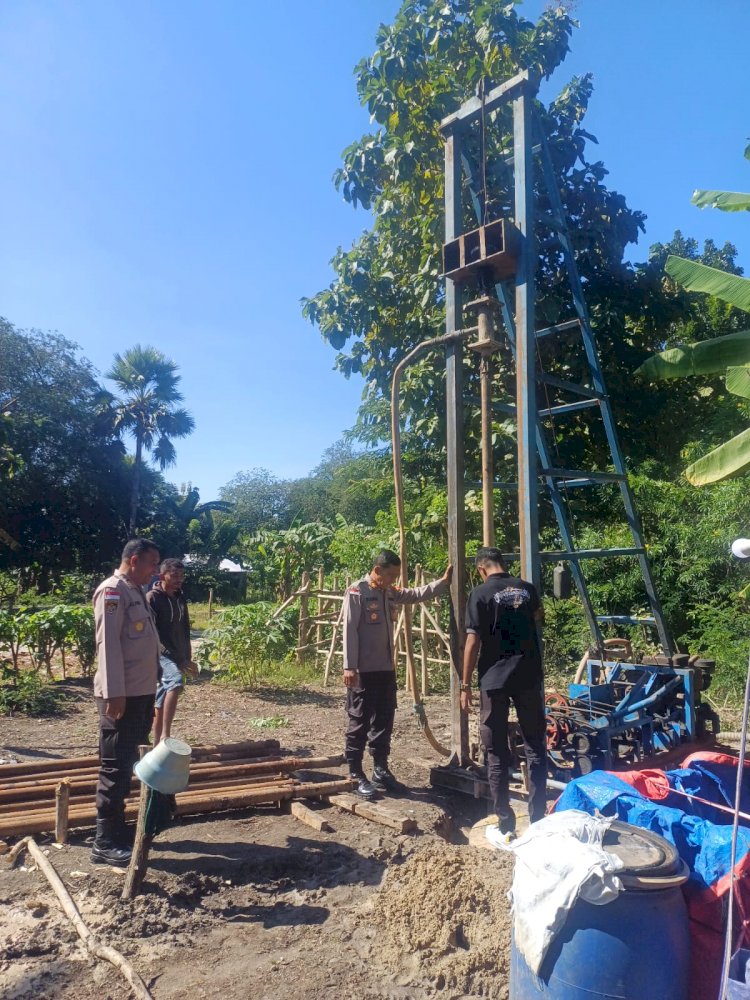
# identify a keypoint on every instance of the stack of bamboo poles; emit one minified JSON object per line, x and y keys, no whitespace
{"x":321,"y":617}
{"x":55,"y":795}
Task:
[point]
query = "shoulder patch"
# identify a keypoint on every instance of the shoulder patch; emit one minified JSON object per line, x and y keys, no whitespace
{"x":353,"y":590}
{"x":111,"y":594}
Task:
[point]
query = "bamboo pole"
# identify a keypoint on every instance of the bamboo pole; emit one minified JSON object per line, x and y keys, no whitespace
{"x":304,"y":609}
{"x":62,"y":800}
{"x":332,"y":648}
{"x":321,"y":606}
{"x":93,"y":945}
{"x":423,"y":635}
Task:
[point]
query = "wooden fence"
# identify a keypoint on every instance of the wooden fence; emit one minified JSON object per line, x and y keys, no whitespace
{"x":321,"y":607}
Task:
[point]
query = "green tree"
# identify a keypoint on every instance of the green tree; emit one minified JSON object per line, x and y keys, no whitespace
{"x":63,"y":506}
{"x":147,"y":382}
{"x":729,"y":354}
{"x":259,"y":501}
{"x":387,"y":293}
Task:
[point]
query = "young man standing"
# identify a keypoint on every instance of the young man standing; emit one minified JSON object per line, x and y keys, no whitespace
{"x":370,"y":610}
{"x":127,"y":650}
{"x":502,"y":618}
{"x":170,"y":611}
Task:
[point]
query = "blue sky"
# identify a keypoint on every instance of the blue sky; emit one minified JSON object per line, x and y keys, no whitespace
{"x":166,"y":179}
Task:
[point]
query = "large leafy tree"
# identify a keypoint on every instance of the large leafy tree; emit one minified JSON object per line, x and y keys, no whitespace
{"x":728,"y":354}
{"x":147,"y":383}
{"x":387,"y":293}
{"x":64,"y":507}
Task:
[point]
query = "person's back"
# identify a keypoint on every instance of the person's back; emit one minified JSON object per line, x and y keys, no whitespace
{"x":503,"y":611}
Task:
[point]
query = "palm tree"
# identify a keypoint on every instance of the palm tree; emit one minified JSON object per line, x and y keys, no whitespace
{"x":147,"y":381}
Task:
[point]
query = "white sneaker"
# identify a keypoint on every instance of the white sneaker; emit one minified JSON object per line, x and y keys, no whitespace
{"x":501,"y":841}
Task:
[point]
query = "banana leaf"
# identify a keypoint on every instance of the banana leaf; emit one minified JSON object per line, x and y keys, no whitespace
{"x":697,"y":277}
{"x":729,"y":459}
{"x":727,"y":201}
{"x":738,"y":381}
{"x":703,"y":358}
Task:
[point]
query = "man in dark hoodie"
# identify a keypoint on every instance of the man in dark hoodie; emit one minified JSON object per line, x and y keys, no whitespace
{"x":170,"y":611}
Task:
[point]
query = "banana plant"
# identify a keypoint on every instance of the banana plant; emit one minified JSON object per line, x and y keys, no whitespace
{"x":729,"y":354}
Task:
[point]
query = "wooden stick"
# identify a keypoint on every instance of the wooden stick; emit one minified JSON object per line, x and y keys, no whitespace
{"x":329,"y":658}
{"x":142,"y":845}
{"x":436,"y":624}
{"x":93,"y":945}
{"x":423,"y":636}
{"x":303,"y":630}
{"x":322,"y":607}
{"x":62,"y":799}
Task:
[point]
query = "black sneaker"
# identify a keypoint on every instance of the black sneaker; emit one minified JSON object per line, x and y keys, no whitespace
{"x":365,"y":789}
{"x":110,"y":854}
{"x":383,"y":780}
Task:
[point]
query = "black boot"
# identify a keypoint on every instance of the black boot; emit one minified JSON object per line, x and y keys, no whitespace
{"x":384,"y":780}
{"x":365,"y":789}
{"x":106,"y":851}
{"x":123,"y":834}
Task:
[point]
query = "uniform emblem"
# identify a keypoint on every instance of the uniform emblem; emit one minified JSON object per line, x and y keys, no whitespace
{"x":139,"y":626}
{"x":374,"y":616}
{"x":110,"y":606}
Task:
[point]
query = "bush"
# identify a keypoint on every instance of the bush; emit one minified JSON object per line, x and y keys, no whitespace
{"x":29,"y":693}
{"x":228,"y":588}
{"x":240,"y":640}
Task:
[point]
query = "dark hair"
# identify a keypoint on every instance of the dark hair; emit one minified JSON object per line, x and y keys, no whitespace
{"x":136,"y":547}
{"x":488,"y":555}
{"x":169,"y":565}
{"x":386,"y":558}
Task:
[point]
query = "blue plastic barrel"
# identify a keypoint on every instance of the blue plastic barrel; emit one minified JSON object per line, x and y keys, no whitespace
{"x":633,"y":948}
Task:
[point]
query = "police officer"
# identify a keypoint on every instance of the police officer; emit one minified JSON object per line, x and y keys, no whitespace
{"x":370,"y":610}
{"x":127,"y":648}
{"x":502,"y":619}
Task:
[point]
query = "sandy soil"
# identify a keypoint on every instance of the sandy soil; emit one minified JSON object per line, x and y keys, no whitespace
{"x":256,"y":904}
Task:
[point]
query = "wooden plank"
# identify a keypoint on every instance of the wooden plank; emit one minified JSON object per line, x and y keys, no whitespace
{"x":309,"y":817}
{"x":344,"y":800}
{"x":378,"y":812}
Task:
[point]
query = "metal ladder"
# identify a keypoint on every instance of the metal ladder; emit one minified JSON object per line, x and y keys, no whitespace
{"x":558,"y":480}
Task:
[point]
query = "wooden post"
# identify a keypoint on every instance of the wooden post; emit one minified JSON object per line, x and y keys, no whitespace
{"x":142,"y":845}
{"x":62,"y":804}
{"x":423,"y":634}
{"x":322,"y":607}
{"x":332,"y":648}
{"x":304,"y":612}
{"x":210,"y":601}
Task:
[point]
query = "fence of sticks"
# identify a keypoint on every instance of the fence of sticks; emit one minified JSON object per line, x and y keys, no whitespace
{"x":320,"y":634}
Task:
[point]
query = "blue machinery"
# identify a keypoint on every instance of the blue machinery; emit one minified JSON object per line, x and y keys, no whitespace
{"x":625,"y":711}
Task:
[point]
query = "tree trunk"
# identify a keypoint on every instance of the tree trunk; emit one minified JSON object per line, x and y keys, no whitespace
{"x":135,"y":493}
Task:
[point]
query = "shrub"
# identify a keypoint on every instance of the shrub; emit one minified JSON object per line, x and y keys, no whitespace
{"x":29,"y":693}
{"x":239,"y":640}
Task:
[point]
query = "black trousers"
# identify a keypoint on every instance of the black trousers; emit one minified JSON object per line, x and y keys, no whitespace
{"x":118,"y":750}
{"x":371,"y":709}
{"x":493,"y":732}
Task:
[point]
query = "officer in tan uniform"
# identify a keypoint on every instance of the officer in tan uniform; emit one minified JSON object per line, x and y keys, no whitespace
{"x":127,"y":649}
{"x":370,"y":610}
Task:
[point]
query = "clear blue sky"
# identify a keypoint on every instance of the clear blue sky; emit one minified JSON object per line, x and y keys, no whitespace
{"x":166,"y":179}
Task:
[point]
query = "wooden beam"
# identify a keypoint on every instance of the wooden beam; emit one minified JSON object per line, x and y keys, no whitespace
{"x":309,"y":817}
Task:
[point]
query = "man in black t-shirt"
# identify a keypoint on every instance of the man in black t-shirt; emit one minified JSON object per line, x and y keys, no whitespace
{"x":502,"y":619}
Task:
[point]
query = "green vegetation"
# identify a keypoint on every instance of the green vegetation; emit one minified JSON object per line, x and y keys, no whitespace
{"x":729,"y":354}
{"x":69,"y":493}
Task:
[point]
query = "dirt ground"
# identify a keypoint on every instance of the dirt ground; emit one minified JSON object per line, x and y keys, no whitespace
{"x":255,"y":904}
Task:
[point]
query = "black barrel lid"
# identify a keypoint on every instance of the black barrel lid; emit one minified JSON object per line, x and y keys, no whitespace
{"x":642,"y":852}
